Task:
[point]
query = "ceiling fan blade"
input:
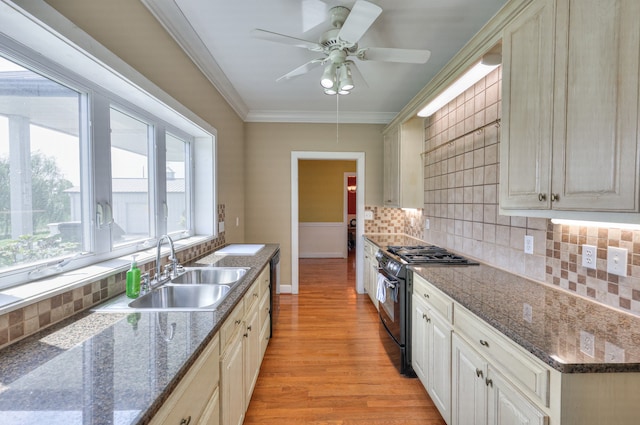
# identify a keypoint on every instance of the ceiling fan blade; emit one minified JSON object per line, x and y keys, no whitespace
{"x":357,"y":74}
{"x":361,"y":17}
{"x":303,"y":69}
{"x":385,"y":54}
{"x":286,"y":39}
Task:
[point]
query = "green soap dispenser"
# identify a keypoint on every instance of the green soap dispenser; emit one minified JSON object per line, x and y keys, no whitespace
{"x":133,"y":279}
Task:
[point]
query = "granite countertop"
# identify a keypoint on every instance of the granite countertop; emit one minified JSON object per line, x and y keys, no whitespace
{"x":558,"y":317}
{"x":112,"y":368}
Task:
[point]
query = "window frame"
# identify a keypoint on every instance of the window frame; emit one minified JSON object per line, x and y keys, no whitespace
{"x":32,"y":49}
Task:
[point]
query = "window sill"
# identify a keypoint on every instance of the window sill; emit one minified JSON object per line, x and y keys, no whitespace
{"x":26,"y":294}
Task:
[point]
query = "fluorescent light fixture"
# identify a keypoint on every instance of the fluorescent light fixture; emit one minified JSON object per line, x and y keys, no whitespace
{"x":626,"y":226}
{"x":458,"y":87}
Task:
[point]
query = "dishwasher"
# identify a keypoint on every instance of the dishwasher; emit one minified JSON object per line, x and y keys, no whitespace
{"x":274,"y":285}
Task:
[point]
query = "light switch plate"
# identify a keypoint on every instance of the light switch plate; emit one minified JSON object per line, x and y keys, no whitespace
{"x":617,"y":261}
{"x":589,"y":256}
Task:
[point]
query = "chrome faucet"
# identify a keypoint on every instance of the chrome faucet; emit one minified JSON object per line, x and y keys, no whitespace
{"x":172,"y":257}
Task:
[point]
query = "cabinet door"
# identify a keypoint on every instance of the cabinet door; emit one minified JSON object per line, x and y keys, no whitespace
{"x":419,"y":340}
{"x":469,"y":391}
{"x":232,"y":404}
{"x":391,"y":169}
{"x":252,"y":354}
{"x":596,"y":133}
{"x":527,"y":116}
{"x":211,"y":415}
{"x":439,"y":341}
{"x":508,"y":407}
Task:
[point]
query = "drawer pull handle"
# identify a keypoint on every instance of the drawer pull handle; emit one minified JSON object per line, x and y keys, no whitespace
{"x":255,"y":295}
{"x":479,"y":373}
{"x":237,"y":322}
{"x":186,"y":421}
{"x":426,"y":295}
{"x":484,"y":343}
{"x":489,"y":382}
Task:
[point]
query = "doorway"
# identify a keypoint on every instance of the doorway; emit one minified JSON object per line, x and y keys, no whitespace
{"x":359,"y":158}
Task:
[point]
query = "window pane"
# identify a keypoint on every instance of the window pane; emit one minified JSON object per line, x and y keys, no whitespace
{"x":40,"y":187}
{"x":178,"y":211}
{"x":130,"y":178}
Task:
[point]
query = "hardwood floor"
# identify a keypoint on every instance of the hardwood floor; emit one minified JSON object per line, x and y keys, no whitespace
{"x":326,"y":365}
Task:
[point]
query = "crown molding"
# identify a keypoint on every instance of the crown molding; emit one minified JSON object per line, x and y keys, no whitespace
{"x":176,"y":24}
{"x":320,"y":117}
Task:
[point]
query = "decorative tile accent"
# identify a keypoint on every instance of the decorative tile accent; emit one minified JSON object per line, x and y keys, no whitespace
{"x":28,"y":320}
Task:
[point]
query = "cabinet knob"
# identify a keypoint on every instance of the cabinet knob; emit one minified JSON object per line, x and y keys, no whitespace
{"x":489,"y":382}
{"x":237,"y":322}
{"x":186,"y":421}
{"x":426,"y":295}
{"x":479,"y":373}
{"x":484,"y":343}
{"x":542,"y":197}
{"x":424,"y":315}
{"x":249,"y":328}
{"x":246,"y":335}
{"x":555,"y":197}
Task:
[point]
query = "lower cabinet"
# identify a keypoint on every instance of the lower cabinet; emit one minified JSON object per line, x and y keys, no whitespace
{"x":370,"y":275}
{"x":481,"y":395}
{"x":195,"y":399}
{"x":242,"y":355}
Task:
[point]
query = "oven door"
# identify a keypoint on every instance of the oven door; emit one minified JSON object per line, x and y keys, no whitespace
{"x":390,"y":311}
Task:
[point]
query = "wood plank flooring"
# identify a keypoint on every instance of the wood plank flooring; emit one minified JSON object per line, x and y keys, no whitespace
{"x":326,"y":365}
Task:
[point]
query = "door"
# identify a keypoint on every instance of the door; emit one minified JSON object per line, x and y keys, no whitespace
{"x":419,"y":340}
{"x":440,"y":364}
{"x":469,"y":391}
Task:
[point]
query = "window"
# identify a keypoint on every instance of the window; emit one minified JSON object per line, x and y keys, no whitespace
{"x":40,"y":213}
{"x":91,"y":170}
{"x":129,"y":178}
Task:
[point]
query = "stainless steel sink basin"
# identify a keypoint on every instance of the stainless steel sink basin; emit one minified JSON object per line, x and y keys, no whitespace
{"x":211,"y":275}
{"x":183,"y":297}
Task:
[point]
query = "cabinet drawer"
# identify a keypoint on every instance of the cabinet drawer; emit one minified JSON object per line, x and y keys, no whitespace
{"x":252,"y":297}
{"x":433,"y":297}
{"x":526,"y":372}
{"x":231,"y":326}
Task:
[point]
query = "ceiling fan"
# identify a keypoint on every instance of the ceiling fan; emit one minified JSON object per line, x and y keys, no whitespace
{"x":340,"y":43}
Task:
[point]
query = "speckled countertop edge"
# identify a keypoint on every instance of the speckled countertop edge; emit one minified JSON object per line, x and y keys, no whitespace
{"x":429,"y":273}
{"x":20,"y":359}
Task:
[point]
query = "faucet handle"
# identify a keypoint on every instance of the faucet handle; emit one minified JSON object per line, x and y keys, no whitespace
{"x":144,"y":283}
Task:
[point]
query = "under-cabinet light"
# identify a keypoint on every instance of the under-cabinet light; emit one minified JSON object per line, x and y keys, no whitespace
{"x":472,"y":76}
{"x":625,"y":226}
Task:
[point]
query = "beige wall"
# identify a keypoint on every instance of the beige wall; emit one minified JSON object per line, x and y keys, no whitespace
{"x":129,"y":30}
{"x":268,"y":177}
{"x":321,"y":190}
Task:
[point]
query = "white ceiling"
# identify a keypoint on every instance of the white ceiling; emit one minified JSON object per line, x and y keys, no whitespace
{"x":216,"y":34}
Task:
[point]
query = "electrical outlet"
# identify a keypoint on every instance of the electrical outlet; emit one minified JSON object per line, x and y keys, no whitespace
{"x":427,"y":224}
{"x":617,"y":261}
{"x":589,"y":256}
{"x":528,"y":244}
{"x":527,"y":313}
{"x":221,"y":226}
{"x":368,"y":215}
{"x":587,"y":343}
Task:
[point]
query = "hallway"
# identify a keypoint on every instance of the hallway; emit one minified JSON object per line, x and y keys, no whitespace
{"x":326,"y":365}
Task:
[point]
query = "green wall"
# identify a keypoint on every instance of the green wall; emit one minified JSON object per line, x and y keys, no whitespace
{"x":321,"y":190}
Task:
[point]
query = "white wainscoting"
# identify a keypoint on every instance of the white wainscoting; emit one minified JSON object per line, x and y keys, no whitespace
{"x":323,"y":240}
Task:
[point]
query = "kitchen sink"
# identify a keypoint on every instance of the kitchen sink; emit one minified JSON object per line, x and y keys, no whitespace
{"x":210,"y":275}
{"x":182,"y":297}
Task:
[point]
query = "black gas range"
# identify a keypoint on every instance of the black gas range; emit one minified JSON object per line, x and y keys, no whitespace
{"x":394,"y":295}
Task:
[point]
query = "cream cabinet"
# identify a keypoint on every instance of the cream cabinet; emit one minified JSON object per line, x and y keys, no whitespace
{"x":480,"y":395}
{"x":570,"y":108}
{"x":431,"y":330}
{"x":403,"y":166}
{"x":370,"y":274}
{"x":242,"y":350}
{"x":195,"y":399}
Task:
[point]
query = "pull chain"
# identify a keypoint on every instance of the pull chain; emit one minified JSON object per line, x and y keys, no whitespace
{"x":337,"y":117}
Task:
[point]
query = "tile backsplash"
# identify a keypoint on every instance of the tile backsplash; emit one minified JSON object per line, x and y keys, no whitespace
{"x":28,"y":320}
{"x":461,"y":183}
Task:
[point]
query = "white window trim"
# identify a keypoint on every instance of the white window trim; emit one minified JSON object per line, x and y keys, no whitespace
{"x":60,"y":46}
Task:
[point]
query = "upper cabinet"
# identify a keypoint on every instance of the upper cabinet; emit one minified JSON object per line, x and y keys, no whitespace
{"x":403,"y":167}
{"x":570,"y":108}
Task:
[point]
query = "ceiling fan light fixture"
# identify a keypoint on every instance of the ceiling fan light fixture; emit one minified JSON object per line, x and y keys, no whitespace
{"x":346,"y":82}
{"x":328,"y":76}
{"x":330,"y":91}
